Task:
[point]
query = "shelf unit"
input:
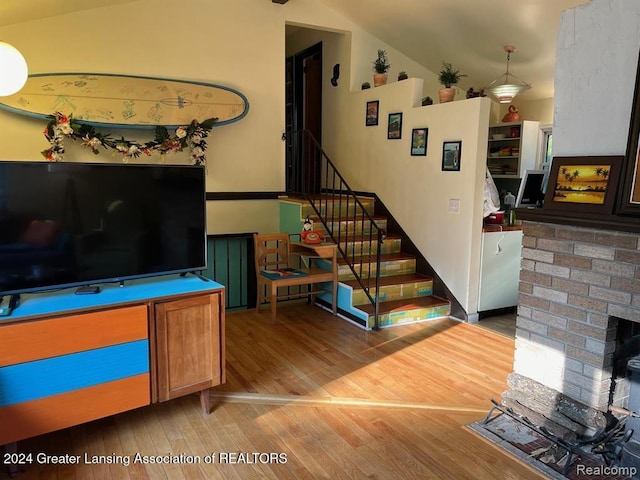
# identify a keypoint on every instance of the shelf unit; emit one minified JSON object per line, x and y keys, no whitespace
{"x":510,"y":156}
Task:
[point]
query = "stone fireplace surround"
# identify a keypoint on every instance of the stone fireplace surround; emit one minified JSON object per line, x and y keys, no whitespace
{"x":576,"y":284}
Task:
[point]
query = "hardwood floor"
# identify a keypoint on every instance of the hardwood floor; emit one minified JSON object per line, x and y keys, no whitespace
{"x":504,"y":324}
{"x":309,"y":397}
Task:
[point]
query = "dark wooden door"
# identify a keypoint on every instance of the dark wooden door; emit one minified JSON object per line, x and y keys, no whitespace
{"x":312,"y":107}
{"x":304,"y":112}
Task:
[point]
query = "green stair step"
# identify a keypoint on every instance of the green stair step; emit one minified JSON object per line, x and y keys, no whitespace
{"x":343,"y":227}
{"x":398,"y":312}
{"x":338,"y":204}
{"x":395,"y":287}
{"x":359,"y":245}
{"x":390,"y":264}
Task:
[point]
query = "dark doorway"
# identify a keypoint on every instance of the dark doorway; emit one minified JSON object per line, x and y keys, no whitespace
{"x":303,"y":112}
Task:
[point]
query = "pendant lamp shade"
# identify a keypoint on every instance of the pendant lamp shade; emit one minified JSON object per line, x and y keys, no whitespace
{"x":13,"y":70}
{"x":504,"y":88}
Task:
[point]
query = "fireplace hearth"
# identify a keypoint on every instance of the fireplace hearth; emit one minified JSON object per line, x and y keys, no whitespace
{"x":578,"y":325}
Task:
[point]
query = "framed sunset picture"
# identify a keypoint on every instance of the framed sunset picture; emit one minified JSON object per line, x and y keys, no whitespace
{"x":583,"y":184}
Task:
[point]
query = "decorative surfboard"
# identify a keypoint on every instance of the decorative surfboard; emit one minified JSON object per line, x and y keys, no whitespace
{"x":110,"y":100}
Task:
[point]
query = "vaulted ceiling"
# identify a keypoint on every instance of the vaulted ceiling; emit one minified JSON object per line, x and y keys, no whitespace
{"x":468,"y":33}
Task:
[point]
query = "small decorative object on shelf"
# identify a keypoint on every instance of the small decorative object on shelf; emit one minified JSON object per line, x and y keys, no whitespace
{"x":471,"y":93}
{"x":381,"y":66}
{"x":427,"y":101}
{"x":309,"y":235}
{"x":512,"y":115}
{"x":448,"y":77}
{"x":402,"y":76}
{"x":366,"y":85}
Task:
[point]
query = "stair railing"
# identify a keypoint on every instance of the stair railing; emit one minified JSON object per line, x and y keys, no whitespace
{"x":314,"y":177}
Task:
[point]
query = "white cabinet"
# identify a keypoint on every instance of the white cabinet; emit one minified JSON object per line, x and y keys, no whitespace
{"x":512,"y":148}
{"x":499,"y":269}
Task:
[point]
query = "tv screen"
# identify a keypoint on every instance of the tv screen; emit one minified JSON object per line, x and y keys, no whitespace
{"x":66,"y":224}
{"x":531,"y":191}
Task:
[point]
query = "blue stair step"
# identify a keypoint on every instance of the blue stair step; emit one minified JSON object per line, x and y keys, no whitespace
{"x":395,"y":287}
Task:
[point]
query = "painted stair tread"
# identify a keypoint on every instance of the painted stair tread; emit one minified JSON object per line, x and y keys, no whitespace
{"x":365,"y":238}
{"x":327,"y":198}
{"x":385,"y":257}
{"x":390,"y":280}
{"x":342,"y":197}
{"x":343,"y":219}
{"x":404,"y":305}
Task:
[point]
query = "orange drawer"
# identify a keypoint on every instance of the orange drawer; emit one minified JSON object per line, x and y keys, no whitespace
{"x":34,"y":340}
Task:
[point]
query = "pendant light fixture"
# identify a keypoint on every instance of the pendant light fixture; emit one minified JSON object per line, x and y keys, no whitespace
{"x":507,"y":86}
{"x":13,"y":70}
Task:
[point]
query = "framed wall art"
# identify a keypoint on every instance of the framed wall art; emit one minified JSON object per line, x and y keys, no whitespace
{"x":629,"y":195}
{"x":394,"y":129}
{"x":419,"y":137}
{"x":451,"y":156}
{"x":583,"y":184}
{"x":373,"y":108}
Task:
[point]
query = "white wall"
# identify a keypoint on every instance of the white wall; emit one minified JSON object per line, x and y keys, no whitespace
{"x":415,"y":189}
{"x":596,"y":61}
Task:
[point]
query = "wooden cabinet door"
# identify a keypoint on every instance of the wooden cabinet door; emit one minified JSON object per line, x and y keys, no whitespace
{"x":189,"y":348}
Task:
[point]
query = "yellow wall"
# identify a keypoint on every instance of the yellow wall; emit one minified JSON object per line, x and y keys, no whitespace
{"x":535,"y":110}
{"x":236,"y":43}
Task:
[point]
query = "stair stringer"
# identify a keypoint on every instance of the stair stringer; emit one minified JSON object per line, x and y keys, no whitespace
{"x":423,"y":266}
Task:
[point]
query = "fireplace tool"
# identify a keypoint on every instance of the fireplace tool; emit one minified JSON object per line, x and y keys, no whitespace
{"x":607,"y":443}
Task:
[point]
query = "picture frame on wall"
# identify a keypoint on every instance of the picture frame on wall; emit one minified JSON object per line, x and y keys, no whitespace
{"x":583,"y":184}
{"x":629,"y":194}
{"x":394,"y":128}
{"x":373,"y":107}
{"x":419,"y":137}
{"x":451,"y":156}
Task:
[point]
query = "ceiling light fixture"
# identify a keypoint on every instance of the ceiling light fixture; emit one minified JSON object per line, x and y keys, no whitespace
{"x":13,"y":70}
{"x":507,"y":86}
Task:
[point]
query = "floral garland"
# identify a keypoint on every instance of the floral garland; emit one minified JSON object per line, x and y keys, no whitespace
{"x":62,"y":126}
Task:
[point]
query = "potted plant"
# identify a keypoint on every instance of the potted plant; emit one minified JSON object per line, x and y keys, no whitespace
{"x":365,"y":85}
{"x":448,"y":78}
{"x":427,"y":101}
{"x":381,"y":66}
{"x":402,"y":75}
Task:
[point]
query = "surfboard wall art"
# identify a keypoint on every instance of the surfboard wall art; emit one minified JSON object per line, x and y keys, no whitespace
{"x":126,"y":101}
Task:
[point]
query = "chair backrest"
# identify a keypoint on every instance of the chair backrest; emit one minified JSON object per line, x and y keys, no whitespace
{"x":271,"y":251}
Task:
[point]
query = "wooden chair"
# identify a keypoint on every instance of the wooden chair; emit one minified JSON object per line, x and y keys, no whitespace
{"x":274,"y":251}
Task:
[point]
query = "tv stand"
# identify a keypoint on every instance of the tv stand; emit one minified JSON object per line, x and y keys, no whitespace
{"x":66,"y":359}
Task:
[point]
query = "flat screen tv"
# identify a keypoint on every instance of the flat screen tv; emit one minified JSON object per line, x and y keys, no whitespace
{"x":70,"y":224}
{"x":531,"y":191}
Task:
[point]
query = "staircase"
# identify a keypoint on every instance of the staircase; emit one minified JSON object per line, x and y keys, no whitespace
{"x":403,"y":295}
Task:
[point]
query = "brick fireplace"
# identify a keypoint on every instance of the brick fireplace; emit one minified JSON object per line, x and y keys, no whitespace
{"x":576,"y":284}
{"x":579,"y":302}
{"x":579,"y":290}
